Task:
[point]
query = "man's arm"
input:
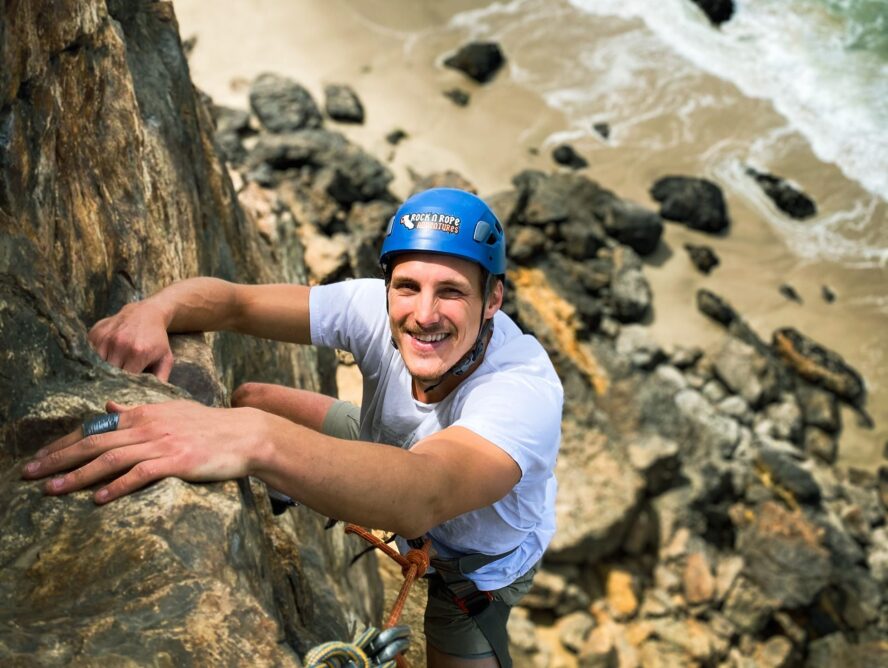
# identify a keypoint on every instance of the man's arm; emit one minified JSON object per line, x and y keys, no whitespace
{"x":384,"y":487}
{"x":135,"y":339}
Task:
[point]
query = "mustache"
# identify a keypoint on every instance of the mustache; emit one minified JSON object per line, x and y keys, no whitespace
{"x":413,"y":331}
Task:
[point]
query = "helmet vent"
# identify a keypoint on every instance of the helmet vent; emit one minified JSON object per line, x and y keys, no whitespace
{"x":499,"y":228}
{"x":482,"y":230}
{"x":491,"y":239}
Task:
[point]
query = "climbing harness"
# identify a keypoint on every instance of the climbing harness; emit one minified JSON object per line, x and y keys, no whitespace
{"x":489,"y":613}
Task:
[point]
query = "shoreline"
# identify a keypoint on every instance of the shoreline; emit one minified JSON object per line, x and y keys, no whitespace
{"x":388,"y":52}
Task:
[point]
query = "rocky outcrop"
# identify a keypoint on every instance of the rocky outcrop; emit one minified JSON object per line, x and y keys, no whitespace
{"x":110,"y":189}
{"x":697,"y":524}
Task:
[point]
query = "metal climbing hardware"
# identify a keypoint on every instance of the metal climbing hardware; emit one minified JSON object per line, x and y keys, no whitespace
{"x":371,"y":648}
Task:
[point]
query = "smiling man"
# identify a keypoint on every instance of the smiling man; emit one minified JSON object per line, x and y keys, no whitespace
{"x":472,"y":404}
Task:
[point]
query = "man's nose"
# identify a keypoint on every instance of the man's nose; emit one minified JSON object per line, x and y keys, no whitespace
{"x":425,"y":310}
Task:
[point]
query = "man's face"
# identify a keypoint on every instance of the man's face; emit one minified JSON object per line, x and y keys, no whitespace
{"x":435,"y":311}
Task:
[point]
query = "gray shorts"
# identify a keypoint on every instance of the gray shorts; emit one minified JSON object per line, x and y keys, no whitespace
{"x":451,"y":631}
{"x":343,"y":420}
{"x":447,"y":628}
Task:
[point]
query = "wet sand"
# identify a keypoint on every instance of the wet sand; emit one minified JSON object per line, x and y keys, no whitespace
{"x":389,"y":52}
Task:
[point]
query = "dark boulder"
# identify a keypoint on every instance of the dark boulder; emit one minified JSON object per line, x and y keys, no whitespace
{"x":282,"y":105}
{"x":526,"y":244}
{"x":718,"y":11}
{"x":232,"y":126}
{"x":788,"y":199}
{"x":560,"y":198}
{"x":786,"y":471}
{"x":446,"y":179}
{"x":784,"y":556}
{"x":396,"y":136}
{"x":631,"y":295}
{"x":702,"y":257}
{"x":633,"y":225}
{"x":479,"y":60}
{"x":697,"y":203}
{"x":349,"y":173}
{"x":819,"y":407}
{"x":603,"y":130}
{"x":458,"y":96}
{"x":790,"y":293}
{"x":567,"y":156}
{"x":342,"y":104}
{"x":506,"y":205}
{"x":582,"y":239}
{"x":819,"y":365}
{"x":715,"y":307}
{"x":829,"y":296}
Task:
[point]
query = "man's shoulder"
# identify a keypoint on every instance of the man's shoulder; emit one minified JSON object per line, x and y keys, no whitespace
{"x":514,"y":351}
{"x":352,"y":296}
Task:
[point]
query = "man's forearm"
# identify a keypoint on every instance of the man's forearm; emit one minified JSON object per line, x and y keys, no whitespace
{"x":277,"y":311}
{"x":371,"y":484}
{"x":197,"y":305}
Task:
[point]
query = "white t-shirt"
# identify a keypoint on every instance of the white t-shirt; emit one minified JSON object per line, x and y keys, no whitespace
{"x":513,"y":399}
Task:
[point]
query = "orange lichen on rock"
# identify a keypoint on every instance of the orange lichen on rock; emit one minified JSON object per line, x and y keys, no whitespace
{"x":560,"y":320}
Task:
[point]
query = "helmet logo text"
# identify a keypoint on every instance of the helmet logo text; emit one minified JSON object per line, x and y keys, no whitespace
{"x":431,"y":221}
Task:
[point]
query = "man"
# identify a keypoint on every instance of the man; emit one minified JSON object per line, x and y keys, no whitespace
{"x":474,"y":406}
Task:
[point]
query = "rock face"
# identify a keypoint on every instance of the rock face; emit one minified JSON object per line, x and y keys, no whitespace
{"x":110,"y":190}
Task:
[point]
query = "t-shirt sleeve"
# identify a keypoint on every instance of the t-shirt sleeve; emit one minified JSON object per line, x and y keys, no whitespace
{"x":351,"y":316}
{"x":522,"y":415}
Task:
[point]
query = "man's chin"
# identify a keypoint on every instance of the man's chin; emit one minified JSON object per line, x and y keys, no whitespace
{"x":427,"y":378}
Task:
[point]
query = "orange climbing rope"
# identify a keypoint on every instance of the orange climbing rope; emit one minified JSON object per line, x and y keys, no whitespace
{"x":413,"y":565}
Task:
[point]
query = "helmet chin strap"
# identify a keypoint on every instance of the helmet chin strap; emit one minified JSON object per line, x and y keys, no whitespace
{"x":477,"y":350}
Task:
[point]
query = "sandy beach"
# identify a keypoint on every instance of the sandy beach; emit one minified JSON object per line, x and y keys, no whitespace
{"x":390,"y":53}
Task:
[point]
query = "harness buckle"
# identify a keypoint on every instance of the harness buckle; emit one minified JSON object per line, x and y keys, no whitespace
{"x":474,"y":603}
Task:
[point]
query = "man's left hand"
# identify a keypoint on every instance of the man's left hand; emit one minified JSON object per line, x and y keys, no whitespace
{"x":176,"y":438}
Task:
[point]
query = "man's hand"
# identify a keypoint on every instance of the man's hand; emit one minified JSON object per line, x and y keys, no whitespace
{"x":176,"y":438}
{"x":135,"y":339}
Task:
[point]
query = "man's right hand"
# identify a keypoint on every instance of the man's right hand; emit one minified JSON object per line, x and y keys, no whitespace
{"x":135,"y":339}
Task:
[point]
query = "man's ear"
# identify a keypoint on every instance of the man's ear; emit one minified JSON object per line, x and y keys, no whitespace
{"x":495,"y":300}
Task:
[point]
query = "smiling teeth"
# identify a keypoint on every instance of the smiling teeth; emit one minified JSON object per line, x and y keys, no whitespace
{"x":430,"y":338}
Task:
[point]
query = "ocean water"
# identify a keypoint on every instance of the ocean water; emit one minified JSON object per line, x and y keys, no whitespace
{"x":822,"y":65}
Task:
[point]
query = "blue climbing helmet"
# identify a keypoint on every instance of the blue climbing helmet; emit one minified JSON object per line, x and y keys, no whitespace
{"x":450,"y":222}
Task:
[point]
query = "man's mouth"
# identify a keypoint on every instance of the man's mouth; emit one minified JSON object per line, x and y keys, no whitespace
{"x":427,"y":338}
